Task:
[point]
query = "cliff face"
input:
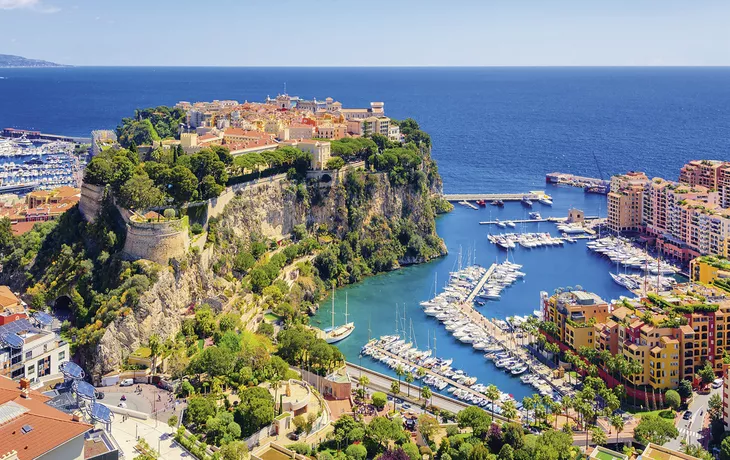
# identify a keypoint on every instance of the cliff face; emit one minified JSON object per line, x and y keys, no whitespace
{"x":270,"y":209}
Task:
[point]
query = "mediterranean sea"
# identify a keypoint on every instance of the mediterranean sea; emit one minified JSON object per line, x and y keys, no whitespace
{"x":493,"y":130}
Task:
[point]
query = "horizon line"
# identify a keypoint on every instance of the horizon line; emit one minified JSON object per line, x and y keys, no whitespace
{"x":62,"y":66}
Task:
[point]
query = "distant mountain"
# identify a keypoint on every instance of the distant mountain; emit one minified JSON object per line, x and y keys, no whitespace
{"x":8,"y":60}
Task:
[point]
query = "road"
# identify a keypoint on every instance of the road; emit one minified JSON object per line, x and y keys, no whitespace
{"x":693,"y":431}
{"x":381,"y":382}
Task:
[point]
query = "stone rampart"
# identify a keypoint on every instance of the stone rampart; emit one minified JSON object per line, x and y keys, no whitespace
{"x":90,"y":202}
{"x":156,"y":241}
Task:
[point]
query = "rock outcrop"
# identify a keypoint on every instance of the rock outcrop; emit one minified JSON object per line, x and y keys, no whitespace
{"x":271,"y":209}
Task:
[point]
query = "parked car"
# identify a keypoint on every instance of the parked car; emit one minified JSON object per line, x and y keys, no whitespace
{"x":687,"y":415}
{"x":126,"y":383}
{"x":717,"y":383}
{"x":293,"y":436}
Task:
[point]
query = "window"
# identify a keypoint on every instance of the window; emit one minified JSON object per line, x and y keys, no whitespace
{"x":62,"y":355}
{"x":31,"y":369}
{"x":28,"y":354}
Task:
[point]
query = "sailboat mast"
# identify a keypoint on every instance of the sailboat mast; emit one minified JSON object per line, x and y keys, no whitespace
{"x":333,"y":307}
{"x":345,"y":307}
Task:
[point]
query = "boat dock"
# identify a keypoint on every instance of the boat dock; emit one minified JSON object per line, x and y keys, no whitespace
{"x":430,"y":372}
{"x":480,"y":284}
{"x":528,"y":221}
{"x":591,"y":184}
{"x":466,"y":203}
{"x":459,"y":197}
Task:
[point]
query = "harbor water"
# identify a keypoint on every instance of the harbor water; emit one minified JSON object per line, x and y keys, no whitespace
{"x":372,"y":304}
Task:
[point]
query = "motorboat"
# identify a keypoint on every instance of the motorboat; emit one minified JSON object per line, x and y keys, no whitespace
{"x":526,"y":201}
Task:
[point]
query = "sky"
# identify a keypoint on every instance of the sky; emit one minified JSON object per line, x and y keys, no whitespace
{"x":368,"y":33}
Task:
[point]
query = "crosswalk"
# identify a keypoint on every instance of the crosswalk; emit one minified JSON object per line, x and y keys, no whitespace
{"x":685,"y":433}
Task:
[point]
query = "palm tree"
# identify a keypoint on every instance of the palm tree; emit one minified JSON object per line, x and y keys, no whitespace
{"x":566,"y":404}
{"x":635,"y":368}
{"x":509,"y":410}
{"x":409,"y":380}
{"x":555,"y":409}
{"x":399,"y":371}
{"x":492,"y":394}
{"x":528,"y":402}
{"x":362,"y":382}
{"x":420,"y":372}
{"x":154,"y":344}
{"x":275,"y":383}
{"x":426,"y":393}
{"x":395,"y":389}
{"x":618,"y":423}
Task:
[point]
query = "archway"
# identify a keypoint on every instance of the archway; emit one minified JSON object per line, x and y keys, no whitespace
{"x":62,"y":309}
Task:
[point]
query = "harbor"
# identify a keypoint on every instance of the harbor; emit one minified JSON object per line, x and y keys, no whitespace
{"x":26,"y":165}
{"x":588,"y":184}
{"x":489,"y":197}
{"x":372,"y":302}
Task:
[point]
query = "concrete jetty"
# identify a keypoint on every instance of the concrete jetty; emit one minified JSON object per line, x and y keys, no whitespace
{"x":458,"y":197}
{"x":480,"y":284}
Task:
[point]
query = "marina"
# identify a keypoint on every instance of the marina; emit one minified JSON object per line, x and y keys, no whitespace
{"x":26,"y":164}
{"x":588,"y":184}
{"x":371,"y":302}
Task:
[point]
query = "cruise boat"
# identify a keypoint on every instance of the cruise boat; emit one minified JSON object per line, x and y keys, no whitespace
{"x":335,"y":334}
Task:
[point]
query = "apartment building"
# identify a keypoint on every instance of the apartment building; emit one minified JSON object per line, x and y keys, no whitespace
{"x":626,"y":202}
{"x":29,"y":349}
{"x":575,"y":313}
{"x":707,"y":269}
{"x":672,"y":338}
{"x":706,"y":173}
{"x":320,"y":150}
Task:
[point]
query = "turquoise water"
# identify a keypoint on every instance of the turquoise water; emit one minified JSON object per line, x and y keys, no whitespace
{"x":373,"y":302}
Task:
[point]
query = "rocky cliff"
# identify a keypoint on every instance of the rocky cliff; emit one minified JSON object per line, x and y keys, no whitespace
{"x":269,"y":209}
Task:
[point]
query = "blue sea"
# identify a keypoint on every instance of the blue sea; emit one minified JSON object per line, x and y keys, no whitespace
{"x":493,"y":130}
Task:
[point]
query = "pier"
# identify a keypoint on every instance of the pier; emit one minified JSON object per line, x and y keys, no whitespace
{"x":459,"y":197}
{"x":466,"y":203}
{"x":39,"y":136}
{"x":590,"y":184}
{"x":480,"y":284}
{"x":528,"y":221}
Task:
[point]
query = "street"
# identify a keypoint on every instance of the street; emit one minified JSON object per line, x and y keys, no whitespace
{"x":693,"y":431}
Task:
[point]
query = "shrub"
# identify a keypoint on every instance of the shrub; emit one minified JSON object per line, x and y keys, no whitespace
{"x":196,"y":228}
{"x":379,"y":400}
{"x":169,"y":213}
{"x":300,"y":448}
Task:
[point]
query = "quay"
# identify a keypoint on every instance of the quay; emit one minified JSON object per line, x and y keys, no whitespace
{"x":39,"y":136}
{"x":458,"y":197}
{"x":590,"y":184}
{"x":527,"y":221}
{"x":430,"y":372}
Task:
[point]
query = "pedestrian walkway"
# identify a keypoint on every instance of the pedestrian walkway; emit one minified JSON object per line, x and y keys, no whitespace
{"x":158,"y":436}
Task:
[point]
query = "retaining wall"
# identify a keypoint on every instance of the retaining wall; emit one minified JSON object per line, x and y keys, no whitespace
{"x":156,"y":241}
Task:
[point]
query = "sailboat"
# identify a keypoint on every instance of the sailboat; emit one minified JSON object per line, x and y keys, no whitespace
{"x":335,"y":334}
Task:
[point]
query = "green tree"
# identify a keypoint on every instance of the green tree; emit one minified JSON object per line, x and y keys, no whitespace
{"x":427,"y":426}
{"x":672,"y":399}
{"x":409,"y":379}
{"x":234,"y":450}
{"x":492,"y":393}
{"x":695,"y":450}
{"x":617,"y":422}
{"x":475,"y":418}
{"x":181,"y":184}
{"x":707,"y":373}
{"x":255,"y":410}
{"x":381,"y":430}
{"x":685,"y":389}
{"x":411,"y":450}
{"x":426,"y":393}
{"x":395,"y":390}
{"x":653,"y":428}
{"x":598,"y":436}
{"x":335,"y":163}
{"x":379,"y":400}
{"x":172,"y":421}
{"x":356,"y":452}
{"x":139,"y":193}
{"x":509,"y":409}
{"x":725,"y":449}
{"x":199,"y":409}
{"x":506,"y":453}
{"x":155,"y":346}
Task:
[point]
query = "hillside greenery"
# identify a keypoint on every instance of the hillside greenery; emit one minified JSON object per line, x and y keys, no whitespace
{"x":149,"y":125}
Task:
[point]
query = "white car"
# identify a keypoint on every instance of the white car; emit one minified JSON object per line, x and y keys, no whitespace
{"x":717,"y":383}
{"x":126,"y":383}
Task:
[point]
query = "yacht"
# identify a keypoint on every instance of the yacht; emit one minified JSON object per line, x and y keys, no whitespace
{"x":335,"y":334}
{"x":526,"y":201}
{"x":545,"y":200}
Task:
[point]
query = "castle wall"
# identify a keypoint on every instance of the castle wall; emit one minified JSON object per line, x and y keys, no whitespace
{"x":156,"y":241}
{"x":90,"y":201}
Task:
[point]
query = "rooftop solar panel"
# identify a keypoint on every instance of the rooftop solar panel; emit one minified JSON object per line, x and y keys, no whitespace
{"x":84,"y":389}
{"x":101,"y":413}
{"x":72,"y":370}
{"x":12,"y":340}
{"x":43,"y":318}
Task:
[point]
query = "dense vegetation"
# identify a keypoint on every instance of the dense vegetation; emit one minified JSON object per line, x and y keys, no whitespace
{"x":80,"y":264}
{"x":150,"y":125}
{"x":165,"y":177}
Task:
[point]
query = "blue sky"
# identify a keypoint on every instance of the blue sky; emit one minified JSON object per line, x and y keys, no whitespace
{"x":368,"y":33}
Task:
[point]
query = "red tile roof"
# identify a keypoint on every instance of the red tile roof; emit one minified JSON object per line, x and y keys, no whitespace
{"x":50,"y":427}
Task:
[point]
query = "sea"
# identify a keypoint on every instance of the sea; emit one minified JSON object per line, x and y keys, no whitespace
{"x":493,"y":130}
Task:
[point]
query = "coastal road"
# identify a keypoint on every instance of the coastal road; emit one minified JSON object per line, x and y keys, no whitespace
{"x":382,"y":382}
{"x":693,"y":431}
